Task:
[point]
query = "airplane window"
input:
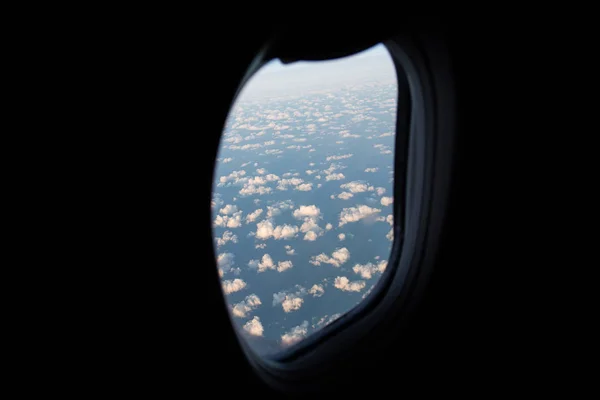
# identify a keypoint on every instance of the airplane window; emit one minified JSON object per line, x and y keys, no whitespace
{"x":303,"y":195}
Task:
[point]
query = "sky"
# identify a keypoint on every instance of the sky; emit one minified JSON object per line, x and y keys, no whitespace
{"x":303,"y":195}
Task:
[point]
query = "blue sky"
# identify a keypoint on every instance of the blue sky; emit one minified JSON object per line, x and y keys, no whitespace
{"x":302,"y":202}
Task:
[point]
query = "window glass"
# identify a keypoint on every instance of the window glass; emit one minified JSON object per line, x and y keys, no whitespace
{"x":303,"y":194}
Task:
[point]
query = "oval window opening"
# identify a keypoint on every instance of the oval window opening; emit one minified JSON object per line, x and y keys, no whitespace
{"x":302,"y":199}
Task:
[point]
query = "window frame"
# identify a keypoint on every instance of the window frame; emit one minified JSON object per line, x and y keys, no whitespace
{"x":420,"y":192}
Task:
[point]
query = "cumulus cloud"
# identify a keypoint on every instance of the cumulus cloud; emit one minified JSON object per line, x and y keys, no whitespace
{"x":232,"y":286}
{"x":253,"y":215}
{"x":335,"y":158}
{"x":266,"y":230}
{"x":295,"y":335}
{"x":355,"y":186}
{"x":228,"y":209}
{"x":249,"y":190}
{"x":372,"y":169}
{"x":284,"y":183}
{"x":226,"y":160}
{"x":228,"y":236}
{"x":338,"y":257}
{"x":245,"y":306}
{"x":328,"y":227}
{"x":367,"y":271}
{"x":390,"y":235}
{"x":260,"y":246}
{"x":341,"y":236}
{"x":317,"y":290}
{"x":386,"y":201}
{"x":380,"y":191}
{"x":216,"y":201}
{"x":290,"y":301}
{"x":306,"y":211}
{"x":334,"y":177}
{"x":284,"y":265}
{"x":233,"y":221}
{"x":261,"y":171}
{"x":305,"y":187}
{"x":310,"y":236}
{"x":254,"y":327}
{"x":225,"y":262}
{"x":390,"y":219}
{"x":235,"y":175}
{"x":344,"y":284}
{"x":289,"y":251}
{"x":354,"y":214}
{"x":345,"y":195}
{"x":267,"y":263}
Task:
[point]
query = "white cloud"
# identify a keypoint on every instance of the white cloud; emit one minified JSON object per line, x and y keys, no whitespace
{"x":232,"y":176}
{"x":265,"y":230}
{"x":305,"y":187}
{"x":234,"y":221}
{"x":355,"y":186}
{"x":334,"y":177}
{"x":283,"y":184}
{"x":289,"y":251}
{"x":253,"y":215}
{"x":271,"y":177}
{"x":342,"y":283}
{"x":232,"y":286}
{"x":317,"y":290}
{"x":367,"y":271}
{"x":390,"y":235}
{"x":225,"y":262}
{"x":228,"y":236}
{"x":306,"y":211}
{"x":345,"y":195}
{"x":354,"y":214}
{"x":380,"y":191}
{"x":226,"y":160}
{"x":249,"y":190}
{"x":310,"y":236}
{"x":386,"y":201}
{"x":338,"y":257}
{"x":328,"y":227}
{"x":372,"y":169}
{"x":284,"y":265}
{"x":290,"y":301}
{"x":390,"y":219}
{"x":216,"y":201}
{"x":228,"y":209}
{"x":260,"y":246}
{"x":295,"y":335}
{"x":268,"y":263}
{"x":256,"y":180}
{"x":261,"y":171}
{"x":245,"y":306}
{"x":254,"y":327}
{"x":335,"y":158}
{"x":341,"y":236}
